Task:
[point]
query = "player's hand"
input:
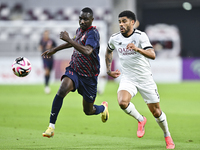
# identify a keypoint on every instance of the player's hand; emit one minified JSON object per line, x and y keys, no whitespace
{"x":64,"y":36}
{"x":131,"y":46}
{"x":114,"y":74}
{"x":48,"y":53}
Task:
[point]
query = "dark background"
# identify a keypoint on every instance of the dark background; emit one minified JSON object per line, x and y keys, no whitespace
{"x":171,"y":12}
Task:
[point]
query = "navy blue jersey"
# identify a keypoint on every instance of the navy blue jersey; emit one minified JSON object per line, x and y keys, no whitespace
{"x":84,"y":65}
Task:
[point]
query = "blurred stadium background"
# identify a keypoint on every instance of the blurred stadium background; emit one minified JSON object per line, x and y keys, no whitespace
{"x":172,"y":26}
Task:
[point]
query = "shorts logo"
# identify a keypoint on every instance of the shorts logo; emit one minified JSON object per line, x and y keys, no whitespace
{"x":91,"y":97}
{"x":71,"y":72}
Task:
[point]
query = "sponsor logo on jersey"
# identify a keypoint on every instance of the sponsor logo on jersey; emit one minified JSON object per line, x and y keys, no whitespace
{"x":125,"y":51}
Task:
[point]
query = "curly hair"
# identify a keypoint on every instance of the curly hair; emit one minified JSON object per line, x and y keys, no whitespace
{"x":129,"y":14}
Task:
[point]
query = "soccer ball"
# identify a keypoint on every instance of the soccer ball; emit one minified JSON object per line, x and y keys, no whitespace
{"x":21,"y":67}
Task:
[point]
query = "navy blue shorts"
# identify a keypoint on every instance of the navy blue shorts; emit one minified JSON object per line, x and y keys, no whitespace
{"x":48,"y":63}
{"x":86,"y":86}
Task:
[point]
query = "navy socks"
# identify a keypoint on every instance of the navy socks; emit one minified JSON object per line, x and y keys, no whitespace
{"x":46,"y":80}
{"x":56,"y":106}
{"x":99,"y":109}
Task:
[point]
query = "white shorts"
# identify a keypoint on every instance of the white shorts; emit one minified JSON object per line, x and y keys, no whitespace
{"x":147,"y":90}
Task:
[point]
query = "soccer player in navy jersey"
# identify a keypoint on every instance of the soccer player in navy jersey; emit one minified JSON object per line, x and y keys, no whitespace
{"x":83,"y":71}
{"x":47,"y":43}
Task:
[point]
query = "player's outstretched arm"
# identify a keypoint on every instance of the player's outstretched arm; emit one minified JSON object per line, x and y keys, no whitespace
{"x":108,"y":58}
{"x":86,"y":50}
{"x":50,"y":52}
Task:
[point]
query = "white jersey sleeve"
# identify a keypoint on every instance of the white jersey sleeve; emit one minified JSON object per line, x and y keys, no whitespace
{"x":144,"y":41}
{"x":111,"y":42}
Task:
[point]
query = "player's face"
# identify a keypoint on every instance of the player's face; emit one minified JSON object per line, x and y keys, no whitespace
{"x":46,"y":35}
{"x":126,"y":26}
{"x":85,"y":20}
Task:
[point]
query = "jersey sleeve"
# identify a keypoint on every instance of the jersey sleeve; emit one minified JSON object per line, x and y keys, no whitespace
{"x":111,"y":44}
{"x":144,"y":41}
{"x":93,"y":39}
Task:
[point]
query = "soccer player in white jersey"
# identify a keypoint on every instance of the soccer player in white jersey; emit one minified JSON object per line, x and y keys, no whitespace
{"x":134,"y":49}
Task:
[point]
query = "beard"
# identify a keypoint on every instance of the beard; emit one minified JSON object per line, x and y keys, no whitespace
{"x":125,"y":33}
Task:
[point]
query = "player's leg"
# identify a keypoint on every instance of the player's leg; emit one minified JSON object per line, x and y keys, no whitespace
{"x":161,"y":119}
{"x":124,"y":98}
{"x":88,"y":89}
{"x":125,"y":92}
{"x":65,"y":87}
{"x":91,"y":109}
{"x":48,"y":65}
{"x":47,"y":77}
{"x":151,"y":97}
{"x":127,"y":89}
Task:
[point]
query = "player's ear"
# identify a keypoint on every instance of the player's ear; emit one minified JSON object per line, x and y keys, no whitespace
{"x":92,"y":18}
{"x":133,"y":22}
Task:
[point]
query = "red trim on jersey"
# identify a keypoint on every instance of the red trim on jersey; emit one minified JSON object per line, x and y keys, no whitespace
{"x":88,"y":28}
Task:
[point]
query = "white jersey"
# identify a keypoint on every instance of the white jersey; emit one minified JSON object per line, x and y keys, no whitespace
{"x":135,"y":66}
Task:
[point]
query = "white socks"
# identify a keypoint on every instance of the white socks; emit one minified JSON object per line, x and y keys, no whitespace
{"x":133,"y":112}
{"x":52,"y":125}
{"x":162,"y":122}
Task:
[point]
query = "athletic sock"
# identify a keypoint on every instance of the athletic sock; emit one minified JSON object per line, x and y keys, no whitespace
{"x":99,"y":109}
{"x":131,"y":110}
{"x":56,"y":106}
{"x":162,"y":122}
{"x":47,"y":80}
{"x":52,"y":125}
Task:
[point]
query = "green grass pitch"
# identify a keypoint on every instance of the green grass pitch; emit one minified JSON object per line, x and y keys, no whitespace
{"x":25,"y":110}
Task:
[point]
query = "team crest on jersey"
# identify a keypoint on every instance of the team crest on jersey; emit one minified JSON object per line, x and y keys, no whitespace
{"x":134,"y":42}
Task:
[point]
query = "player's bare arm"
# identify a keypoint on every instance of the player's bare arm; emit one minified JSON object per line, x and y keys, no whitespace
{"x":87,"y":50}
{"x":108,"y":58}
{"x":50,"y":52}
{"x":149,"y":53}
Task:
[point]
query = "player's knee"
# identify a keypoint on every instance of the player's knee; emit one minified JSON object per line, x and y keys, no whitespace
{"x":87,"y":112}
{"x":61,"y":92}
{"x":123,"y":104}
{"x":156,"y":113}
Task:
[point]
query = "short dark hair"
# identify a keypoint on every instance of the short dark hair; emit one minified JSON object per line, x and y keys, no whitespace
{"x":129,"y":14}
{"x":87,"y":10}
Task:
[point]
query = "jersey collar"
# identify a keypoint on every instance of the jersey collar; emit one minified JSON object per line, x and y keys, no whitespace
{"x":130,"y":34}
{"x":88,"y":28}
